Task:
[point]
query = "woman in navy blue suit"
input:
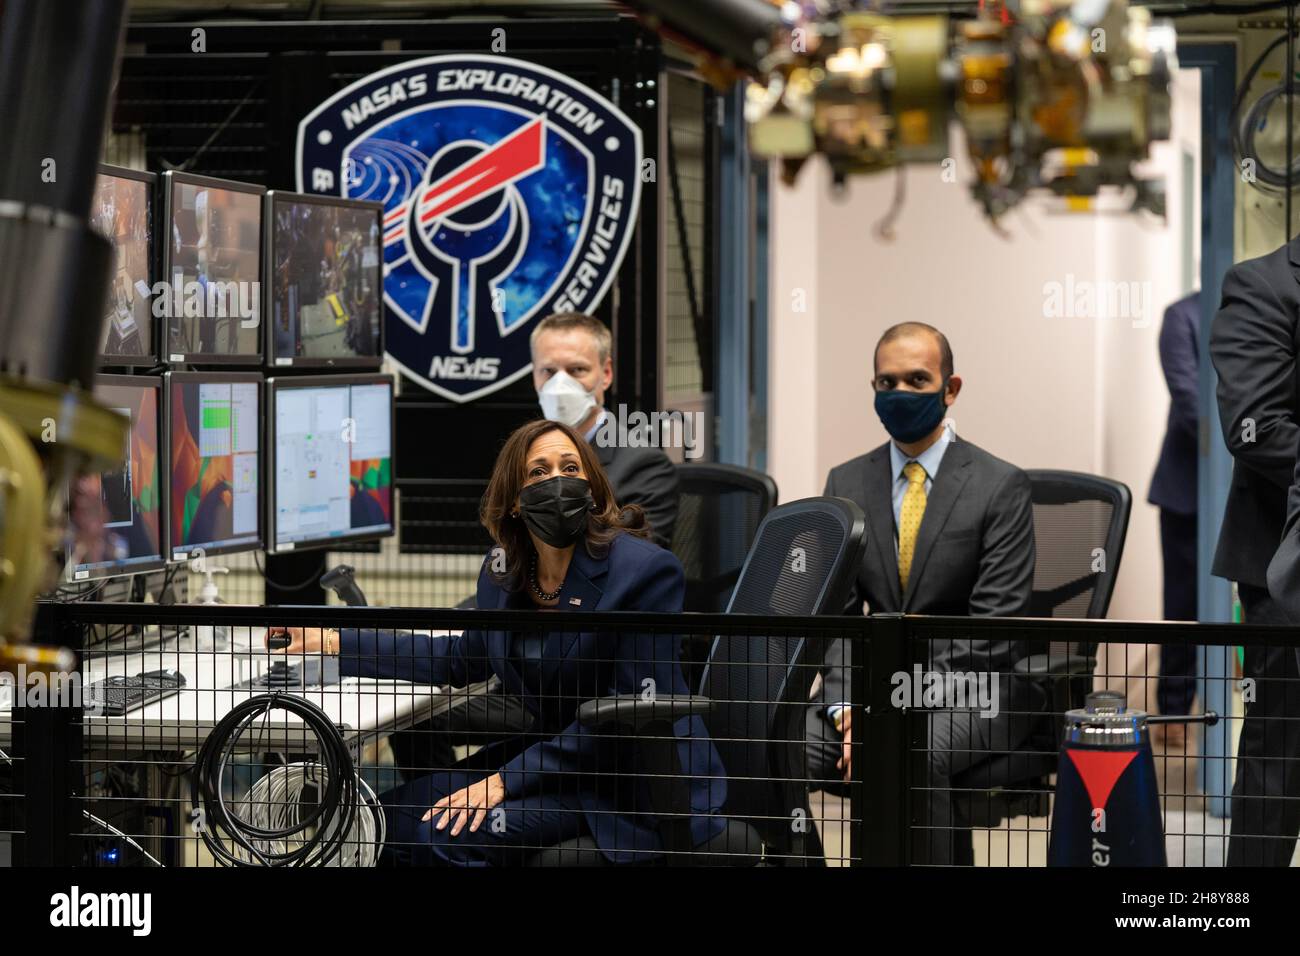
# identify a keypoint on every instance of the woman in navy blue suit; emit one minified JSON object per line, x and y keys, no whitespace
{"x":562,"y":542}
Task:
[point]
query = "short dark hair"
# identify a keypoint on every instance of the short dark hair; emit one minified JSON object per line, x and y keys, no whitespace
{"x":911,"y":328}
{"x":564,"y":321}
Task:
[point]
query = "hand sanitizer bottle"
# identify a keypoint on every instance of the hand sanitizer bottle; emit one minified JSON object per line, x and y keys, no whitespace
{"x":212,"y":637}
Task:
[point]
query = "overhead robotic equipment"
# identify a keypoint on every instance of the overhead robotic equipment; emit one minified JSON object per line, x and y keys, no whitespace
{"x":54,"y":280}
{"x":1050,"y":96}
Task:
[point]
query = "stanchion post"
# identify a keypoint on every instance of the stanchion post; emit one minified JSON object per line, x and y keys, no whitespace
{"x":48,"y":755}
{"x":882,"y":769}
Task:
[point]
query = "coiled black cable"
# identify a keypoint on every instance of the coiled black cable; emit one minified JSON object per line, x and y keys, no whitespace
{"x":330,"y":820}
{"x":1245,"y":125}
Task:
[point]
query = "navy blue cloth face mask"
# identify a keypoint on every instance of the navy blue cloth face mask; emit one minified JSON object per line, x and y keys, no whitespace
{"x":910,"y":416}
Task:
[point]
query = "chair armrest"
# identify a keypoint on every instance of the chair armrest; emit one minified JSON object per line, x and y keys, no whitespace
{"x":1056,"y":665}
{"x":633,"y":712}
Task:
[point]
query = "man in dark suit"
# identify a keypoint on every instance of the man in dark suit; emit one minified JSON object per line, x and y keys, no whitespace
{"x":573,"y":368}
{"x":1173,"y":491}
{"x":950,"y":531}
{"x":1253,"y":347}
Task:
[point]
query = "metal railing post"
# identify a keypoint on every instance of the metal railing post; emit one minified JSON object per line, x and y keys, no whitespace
{"x":48,"y":756}
{"x":883,"y":771}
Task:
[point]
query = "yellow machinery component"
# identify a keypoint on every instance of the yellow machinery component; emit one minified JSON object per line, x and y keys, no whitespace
{"x":55,"y":276}
{"x":23,"y":567}
{"x":871,"y":97}
{"x":340,"y":314}
{"x":920,"y":45}
{"x":984,"y":97}
{"x":49,"y":434}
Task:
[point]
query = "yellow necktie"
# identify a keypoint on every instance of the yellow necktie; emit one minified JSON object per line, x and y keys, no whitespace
{"x":909,"y":518}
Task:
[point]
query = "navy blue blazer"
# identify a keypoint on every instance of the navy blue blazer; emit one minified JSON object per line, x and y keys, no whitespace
{"x":1173,"y":486}
{"x":635,"y":575}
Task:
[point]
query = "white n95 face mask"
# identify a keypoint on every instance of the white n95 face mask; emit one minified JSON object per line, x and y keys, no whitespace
{"x":564,"y":400}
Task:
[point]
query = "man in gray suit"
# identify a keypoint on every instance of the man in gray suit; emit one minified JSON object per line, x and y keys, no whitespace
{"x":950,"y":531}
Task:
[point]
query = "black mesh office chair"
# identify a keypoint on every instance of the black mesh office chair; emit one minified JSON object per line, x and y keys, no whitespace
{"x":719,"y":509}
{"x":753,"y":695}
{"x":1074,"y":514}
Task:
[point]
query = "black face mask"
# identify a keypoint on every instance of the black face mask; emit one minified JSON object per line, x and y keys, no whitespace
{"x":556,"y":509}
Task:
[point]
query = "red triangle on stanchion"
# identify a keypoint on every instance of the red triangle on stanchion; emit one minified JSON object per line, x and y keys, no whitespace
{"x":1099,"y":770}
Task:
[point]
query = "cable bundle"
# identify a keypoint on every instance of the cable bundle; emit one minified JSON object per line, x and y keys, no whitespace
{"x":275,"y":804}
{"x":1249,"y":123}
{"x":272,"y":825}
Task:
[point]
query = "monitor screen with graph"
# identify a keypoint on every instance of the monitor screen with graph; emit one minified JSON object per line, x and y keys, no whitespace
{"x":214,"y":501}
{"x":331,"y":447}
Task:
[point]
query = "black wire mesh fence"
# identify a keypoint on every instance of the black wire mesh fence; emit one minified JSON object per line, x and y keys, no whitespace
{"x":11,"y":795}
{"x":998,"y":777}
{"x":542,"y":739}
{"x":386,"y":736}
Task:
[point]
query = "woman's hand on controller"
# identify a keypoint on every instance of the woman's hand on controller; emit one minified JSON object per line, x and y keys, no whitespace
{"x":305,"y":640}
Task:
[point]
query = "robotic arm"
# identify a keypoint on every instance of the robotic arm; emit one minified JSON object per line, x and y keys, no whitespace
{"x":1050,"y":95}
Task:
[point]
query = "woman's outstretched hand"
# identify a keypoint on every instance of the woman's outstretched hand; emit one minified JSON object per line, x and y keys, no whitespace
{"x":469,"y":802}
{"x":305,"y":640}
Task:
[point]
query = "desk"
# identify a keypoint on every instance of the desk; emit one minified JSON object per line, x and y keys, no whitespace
{"x":363,"y":709}
{"x":360,"y":707}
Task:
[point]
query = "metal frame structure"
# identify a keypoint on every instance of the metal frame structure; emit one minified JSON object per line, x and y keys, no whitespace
{"x":1218,"y":65}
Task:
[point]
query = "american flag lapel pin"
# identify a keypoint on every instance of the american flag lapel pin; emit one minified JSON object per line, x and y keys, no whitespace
{"x":577,"y":602}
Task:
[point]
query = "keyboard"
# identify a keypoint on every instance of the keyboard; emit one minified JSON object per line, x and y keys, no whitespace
{"x":115,"y":696}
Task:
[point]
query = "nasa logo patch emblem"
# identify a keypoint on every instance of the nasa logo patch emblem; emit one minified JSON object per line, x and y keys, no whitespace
{"x":509,"y":191}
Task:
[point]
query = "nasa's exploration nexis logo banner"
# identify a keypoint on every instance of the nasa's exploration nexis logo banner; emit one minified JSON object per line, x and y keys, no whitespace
{"x":509,"y":191}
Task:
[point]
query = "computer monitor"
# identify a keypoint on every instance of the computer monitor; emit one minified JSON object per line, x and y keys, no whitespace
{"x":122,"y":211}
{"x":331,"y":467}
{"x":213,"y":264}
{"x":117,"y":516}
{"x":214,"y":489}
{"x":325,"y":269}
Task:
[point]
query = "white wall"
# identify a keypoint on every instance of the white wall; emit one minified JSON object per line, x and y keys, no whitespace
{"x":1081,"y":393}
